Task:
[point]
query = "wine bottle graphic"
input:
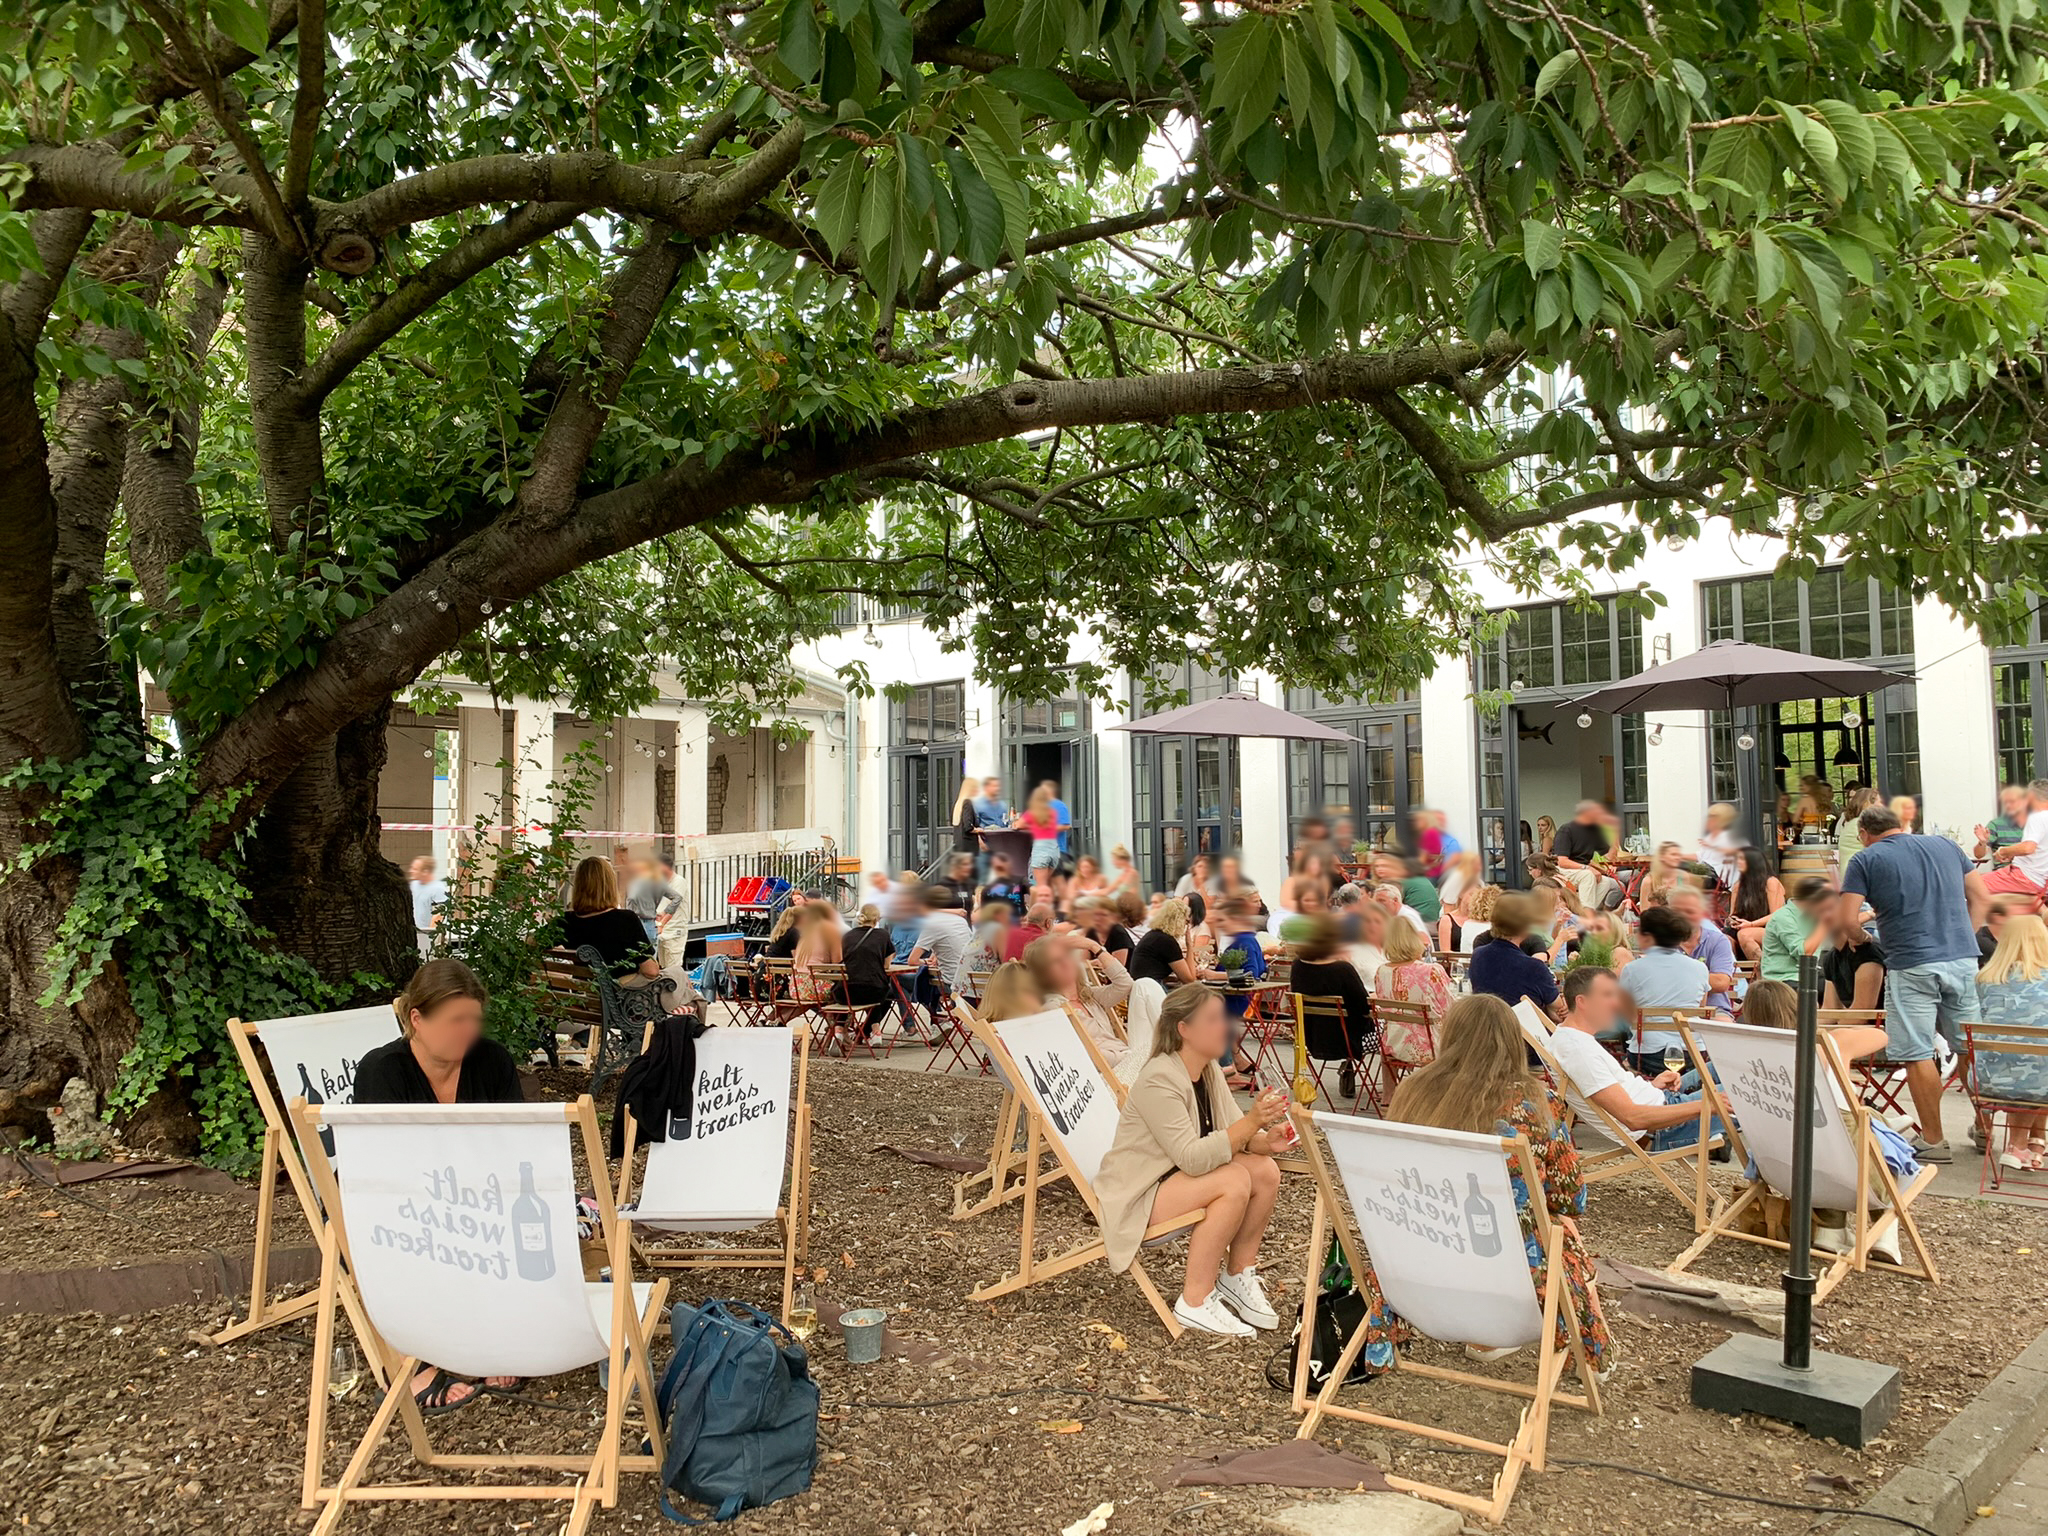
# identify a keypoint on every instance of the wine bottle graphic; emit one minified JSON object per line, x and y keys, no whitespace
{"x":1045,"y":1097}
{"x":313,"y":1097}
{"x":533,"y":1239}
{"x":1479,"y":1221}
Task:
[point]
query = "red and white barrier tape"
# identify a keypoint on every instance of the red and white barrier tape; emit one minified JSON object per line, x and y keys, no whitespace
{"x":523,"y":827}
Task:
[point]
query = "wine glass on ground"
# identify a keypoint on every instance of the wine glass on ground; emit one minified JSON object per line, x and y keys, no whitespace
{"x":803,"y":1311}
{"x":346,"y":1372}
{"x":959,"y":1138}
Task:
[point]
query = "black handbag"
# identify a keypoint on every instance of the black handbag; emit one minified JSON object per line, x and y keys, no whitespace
{"x":1340,"y":1312}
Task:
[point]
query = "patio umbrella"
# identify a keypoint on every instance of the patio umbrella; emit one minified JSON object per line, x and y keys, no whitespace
{"x":1730,"y":674}
{"x":1234,"y":714}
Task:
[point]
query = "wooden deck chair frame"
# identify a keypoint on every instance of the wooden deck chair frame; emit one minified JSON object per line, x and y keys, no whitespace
{"x":1530,"y":1445}
{"x":792,"y":1220}
{"x":1005,"y":1157}
{"x":1873,"y":1177}
{"x":591,"y":1480}
{"x":281,"y":1149}
{"x":1597,"y":1164}
{"x":1039,"y":1138}
{"x":2026,"y":1040}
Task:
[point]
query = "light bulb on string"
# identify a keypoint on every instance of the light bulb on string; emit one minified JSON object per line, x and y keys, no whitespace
{"x":1745,"y":742}
{"x":1657,"y":735}
{"x":1851,"y":720}
{"x":1585,"y":719}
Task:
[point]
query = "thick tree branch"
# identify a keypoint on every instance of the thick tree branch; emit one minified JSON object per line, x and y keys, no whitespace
{"x":160,"y":81}
{"x":534,"y":543}
{"x":58,"y":234}
{"x":307,"y":103}
{"x":159,"y":502}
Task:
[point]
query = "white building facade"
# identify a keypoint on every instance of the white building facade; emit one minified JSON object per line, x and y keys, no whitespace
{"x":1967,"y":721}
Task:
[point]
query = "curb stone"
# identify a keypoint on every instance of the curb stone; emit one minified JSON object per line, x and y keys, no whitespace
{"x":1971,"y":1459}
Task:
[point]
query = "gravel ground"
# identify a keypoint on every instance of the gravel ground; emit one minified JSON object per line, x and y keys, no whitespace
{"x":1017,"y":1416}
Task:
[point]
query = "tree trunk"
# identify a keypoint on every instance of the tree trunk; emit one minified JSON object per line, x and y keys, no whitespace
{"x":317,"y":876}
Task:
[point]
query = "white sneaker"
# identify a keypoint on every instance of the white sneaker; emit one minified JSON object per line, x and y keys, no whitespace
{"x":1476,"y":1352}
{"x":1831,"y":1232}
{"x":1247,"y":1298}
{"x":1211,"y":1317}
{"x":1887,"y":1246}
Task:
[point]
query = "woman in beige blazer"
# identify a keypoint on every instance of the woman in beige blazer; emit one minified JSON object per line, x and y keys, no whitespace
{"x":1181,"y":1146}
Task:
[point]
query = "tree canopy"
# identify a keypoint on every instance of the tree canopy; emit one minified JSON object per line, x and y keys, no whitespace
{"x":346,"y":342}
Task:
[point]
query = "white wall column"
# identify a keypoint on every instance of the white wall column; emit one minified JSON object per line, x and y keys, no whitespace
{"x":1450,"y":747}
{"x":1262,"y":788}
{"x":692,"y":731}
{"x":533,"y":771}
{"x":1112,"y":770}
{"x":1958,"y":735}
{"x":1678,"y":786}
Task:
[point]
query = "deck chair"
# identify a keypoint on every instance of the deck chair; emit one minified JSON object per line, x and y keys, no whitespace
{"x":1435,"y":1220}
{"x":750,"y":1124}
{"x":1754,"y":1100}
{"x":1071,"y":1104}
{"x":314,"y":1056}
{"x":457,"y":1223}
{"x":1625,"y":1154}
{"x":1006,"y":1157}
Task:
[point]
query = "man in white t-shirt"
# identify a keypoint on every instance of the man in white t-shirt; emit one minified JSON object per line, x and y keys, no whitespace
{"x":2023,"y":866}
{"x":427,"y":894}
{"x":1660,"y":1112}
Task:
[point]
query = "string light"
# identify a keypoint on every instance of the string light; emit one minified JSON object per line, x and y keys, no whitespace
{"x":1585,"y":719}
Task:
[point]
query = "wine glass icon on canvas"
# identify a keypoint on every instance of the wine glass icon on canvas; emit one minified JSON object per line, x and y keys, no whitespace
{"x":533,"y":1237}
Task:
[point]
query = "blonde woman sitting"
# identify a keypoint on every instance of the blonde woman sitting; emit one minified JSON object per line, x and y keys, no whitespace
{"x":1410,"y":975}
{"x":1055,"y":965}
{"x":1180,"y":1147}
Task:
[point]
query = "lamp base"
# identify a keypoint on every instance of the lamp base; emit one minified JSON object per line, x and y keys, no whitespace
{"x":1838,"y":1398}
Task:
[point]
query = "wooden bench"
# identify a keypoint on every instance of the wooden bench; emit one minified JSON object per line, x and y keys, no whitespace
{"x":572,"y":1006}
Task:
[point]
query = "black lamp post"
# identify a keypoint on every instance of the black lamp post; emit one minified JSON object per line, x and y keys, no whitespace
{"x":1834,"y":1397}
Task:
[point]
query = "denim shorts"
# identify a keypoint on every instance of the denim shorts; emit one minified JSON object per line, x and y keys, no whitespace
{"x":1920,"y":999}
{"x":1045,"y":853}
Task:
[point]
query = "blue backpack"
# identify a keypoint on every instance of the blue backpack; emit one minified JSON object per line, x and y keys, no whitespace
{"x":739,"y":1408}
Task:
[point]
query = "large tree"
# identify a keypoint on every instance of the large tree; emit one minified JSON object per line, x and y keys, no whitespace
{"x":342,"y":341}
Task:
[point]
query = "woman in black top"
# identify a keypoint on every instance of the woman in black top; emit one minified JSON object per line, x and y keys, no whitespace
{"x":1320,"y":970}
{"x":444,"y":1057}
{"x":1158,"y":955}
{"x":595,"y":918}
{"x":866,"y":952}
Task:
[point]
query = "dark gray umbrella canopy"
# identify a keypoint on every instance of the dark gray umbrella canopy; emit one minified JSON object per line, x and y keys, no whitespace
{"x":1729,"y":674}
{"x":1235,"y":714}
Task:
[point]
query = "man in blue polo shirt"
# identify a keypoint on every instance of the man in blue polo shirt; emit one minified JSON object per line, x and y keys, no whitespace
{"x":1663,"y":976}
{"x":1929,"y":901}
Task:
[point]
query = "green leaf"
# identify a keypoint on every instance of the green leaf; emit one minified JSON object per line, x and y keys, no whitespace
{"x":1770,"y":265}
{"x":838,"y":205}
{"x":1247,"y":78}
{"x":1040,"y":33}
{"x":1853,"y":136}
{"x":1671,"y":261}
{"x":1390,"y":24}
{"x":801,"y":46}
{"x":981,"y":215}
{"x":1040,"y":90}
{"x":1551,"y":74}
{"x":1542,"y":246}
{"x":893,"y":39}
{"x":244,"y":22}
{"x":1009,"y":195}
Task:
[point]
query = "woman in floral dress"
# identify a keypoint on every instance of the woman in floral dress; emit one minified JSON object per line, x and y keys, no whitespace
{"x":1480,"y":1081}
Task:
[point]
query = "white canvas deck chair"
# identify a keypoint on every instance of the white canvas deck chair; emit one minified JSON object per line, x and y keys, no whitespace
{"x":458,"y":1224}
{"x":313,"y":1056}
{"x":1756,"y":1069}
{"x":1001,"y":1178}
{"x":1435,"y":1220}
{"x":1071,"y":1104}
{"x":750,"y":1127}
{"x":1623,"y":1153}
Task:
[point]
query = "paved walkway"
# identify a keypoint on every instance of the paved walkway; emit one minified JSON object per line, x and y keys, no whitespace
{"x":2021,"y":1505}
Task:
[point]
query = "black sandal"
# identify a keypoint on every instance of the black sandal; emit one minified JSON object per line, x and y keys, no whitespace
{"x":518,"y":1386}
{"x":433,"y":1399}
